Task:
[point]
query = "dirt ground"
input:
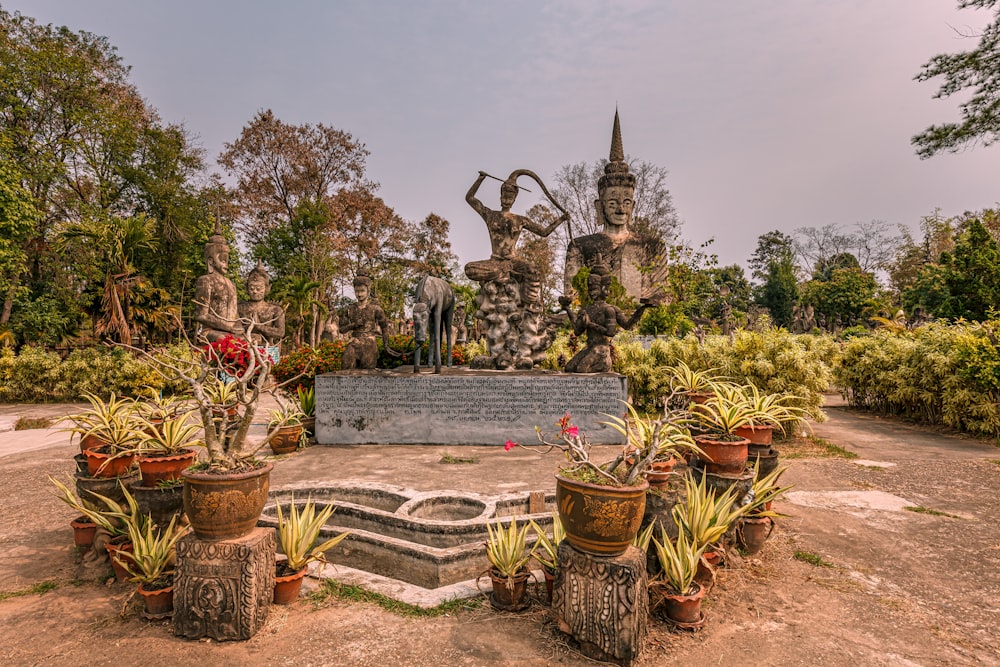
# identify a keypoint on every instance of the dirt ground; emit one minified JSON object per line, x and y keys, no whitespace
{"x":892,"y":586}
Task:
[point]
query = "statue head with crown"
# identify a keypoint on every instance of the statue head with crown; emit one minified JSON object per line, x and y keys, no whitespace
{"x":615,"y":188}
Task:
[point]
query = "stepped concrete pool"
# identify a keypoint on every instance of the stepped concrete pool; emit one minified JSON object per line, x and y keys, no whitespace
{"x":431,"y":540}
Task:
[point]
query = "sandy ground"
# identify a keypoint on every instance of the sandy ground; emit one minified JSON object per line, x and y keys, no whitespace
{"x":898,"y":587}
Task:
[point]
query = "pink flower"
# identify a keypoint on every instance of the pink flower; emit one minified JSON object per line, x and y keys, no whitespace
{"x":509,"y":445}
{"x":572,"y":431}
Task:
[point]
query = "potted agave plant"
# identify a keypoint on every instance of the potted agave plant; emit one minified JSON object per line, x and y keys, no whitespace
{"x":150,"y":564}
{"x":307,"y":406}
{"x":584,"y":486}
{"x":101,"y":415}
{"x":772,"y":411}
{"x":681,"y":594}
{"x":546,"y":551}
{"x":756,"y":525}
{"x":694,"y":386}
{"x":719,"y":418}
{"x":508,"y":554}
{"x":286,"y":429}
{"x":297,"y":535}
{"x":665,"y":436}
{"x":107,"y":435}
{"x":166,"y":448}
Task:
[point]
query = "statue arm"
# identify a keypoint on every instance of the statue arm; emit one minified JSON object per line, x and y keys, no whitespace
{"x":636,"y":316}
{"x":539,"y":230}
{"x":470,"y":196}
{"x":203,"y":312}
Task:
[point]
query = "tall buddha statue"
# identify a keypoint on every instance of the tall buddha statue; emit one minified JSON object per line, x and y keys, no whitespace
{"x":216,"y":312}
{"x":628,"y":255}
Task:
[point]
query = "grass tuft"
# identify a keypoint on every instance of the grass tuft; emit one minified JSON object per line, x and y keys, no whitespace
{"x":812,"y":446}
{"x":448,"y":458}
{"x":28,"y":423}
{"x":920,"y":509}
{"x":331,"y":589}
{"x":40,"y":588}
{"x":812,"y":559}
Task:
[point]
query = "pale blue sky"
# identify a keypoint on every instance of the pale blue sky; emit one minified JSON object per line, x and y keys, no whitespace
{"x":768,"y":115}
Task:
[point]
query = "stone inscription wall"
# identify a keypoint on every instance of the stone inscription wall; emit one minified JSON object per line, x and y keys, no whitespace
{"x":474,"y":408}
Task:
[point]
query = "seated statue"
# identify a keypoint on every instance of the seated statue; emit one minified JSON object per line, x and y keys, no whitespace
{"x":216,"y":311}
{"x":600,"y":321}
{"x":362,"y":321}
{"x":628,"y":255}
{"x":268,"y":316}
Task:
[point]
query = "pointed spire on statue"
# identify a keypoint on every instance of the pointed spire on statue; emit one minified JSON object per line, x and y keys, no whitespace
{"x":617,"y":152}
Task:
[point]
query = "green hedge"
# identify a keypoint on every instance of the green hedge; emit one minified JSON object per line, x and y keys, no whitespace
{"x":937,"y":374}
{"x":36,"y":376}
{"x":774,"y":361}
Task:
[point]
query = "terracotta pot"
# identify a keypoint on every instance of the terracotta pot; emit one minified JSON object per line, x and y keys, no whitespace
{"x":155,"y":469}
{"x":753,"y":532}
{"x":286,"y":440}
{"x":286,"y":588}
{"x":759,"y":435}
{"x":510,"y":598}
{"x":222,"y":506}
{"x":157,"y":604}
{"x":91,"y":442}
{"x":600,"y":520}
{"x":699,"y":397}
{"x":83,"y":531}
{"x":683,"y":608}
{"x":162,"y":503}
{"x":81,"y":464}
{"x":101,"y":464}
{"x":723,"y":456}
{"x":113,"y":547}
{"x":707,"y":565}
{"x":550,"y":581}
{"x":657,"y":479}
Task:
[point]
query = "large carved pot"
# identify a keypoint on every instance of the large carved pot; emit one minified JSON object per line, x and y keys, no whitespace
{"x":600,"y":520}
{"x":223,"y":506}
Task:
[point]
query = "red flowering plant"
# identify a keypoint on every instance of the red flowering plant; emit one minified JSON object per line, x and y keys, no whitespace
{"x":229,"y":354}
{"x":645,"y":440}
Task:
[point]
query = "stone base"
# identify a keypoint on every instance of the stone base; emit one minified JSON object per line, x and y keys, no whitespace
{"x":602,"y":602}
{"x":222,"y":589}
{"x":462,"y":406}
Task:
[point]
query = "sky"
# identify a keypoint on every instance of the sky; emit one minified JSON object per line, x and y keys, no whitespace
{"x":774,"y":114}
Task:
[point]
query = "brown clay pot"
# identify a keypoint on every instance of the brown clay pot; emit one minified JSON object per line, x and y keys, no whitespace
{"x":723,"y":456}
{"x":709,"y":563}
{"x":83,"y":531}
{"x":759,"y":435}
{"x":683,"y":608}
{"x":155,"y":469}
{"x":286,"y":440}
{"x":101,"y":463}
{"x":286,"y":588}
{"x":550,"y":581}
{"x":157,"y":604}
{"x":753,"y":532}
{"x":91,"y":442}
{"x":699,"y":397}
{"x":113,"y":547}
{"x":110,"y":487}
{"x":600,"y":520}
{"x":222,"y":506}
{"x":161,"y":503}
{"x":509,"y":599}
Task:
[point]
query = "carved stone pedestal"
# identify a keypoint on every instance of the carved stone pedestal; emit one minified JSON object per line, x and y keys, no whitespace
{"x":602,"y":602}
{"x":222,"y":589}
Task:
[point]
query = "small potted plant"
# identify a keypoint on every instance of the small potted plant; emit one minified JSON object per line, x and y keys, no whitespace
{"x":546,"y":551}
{"x":665,"y":436}
{"x":772,"y":411}
{"x":694,"y":386}
{"x":158,"y":407}
{"x":719,"y":418}
{"x":150,"y":564}
{"x":285,"y":429}
{"x":167,"y":448}
{"x":681,"y":594}
{"x":107,"y":435}
{"x":101,"y":415}
{"x":583,"y":486}
{"x":756,"y":525}
{"x":508,"y":554}
{"x":297,"y":535}
{"x":307,"y":406}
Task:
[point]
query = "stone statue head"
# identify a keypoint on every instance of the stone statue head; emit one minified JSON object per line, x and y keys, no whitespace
{"x":362,"y":286}
{"x":217,"y":251}
{"x":616,"y":188}
{"x":258,"y":282}
{"x":508,"y":191}
{"x":599,"y":280}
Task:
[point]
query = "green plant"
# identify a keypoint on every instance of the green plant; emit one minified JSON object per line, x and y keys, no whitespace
{"x":307,"y":400}
{"x":332,"y":589}
{"x":506,"y":549}
{"x":811,"y":558}
{"x":682,"y":378}
{"x":221,"y":392}
{"x":159,"y":407}
{"x":765,"y":490}
{"x":548,"y":555}
{"x":652,"y":439}
{"x":288,"y":415}
{"x":920,"y":509}
{"x":114,"y":519}
{"x":774,"y":409}
{"x":451,"y":459}
{"x":29,"y":423}
{"x":297,"y":534}
{"x":643,"y":537}
{"x":678,"y":560}
{"x":724,"y":412}
{"x":111,"y":421}
{"x":169,"y":437}
{"x":703,"y":515}
{"x":152,"y":557}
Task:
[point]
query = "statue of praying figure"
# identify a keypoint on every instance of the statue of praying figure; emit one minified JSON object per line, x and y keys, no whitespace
{"x":216,"y":311}
{"x":600,"y":321}
{"x":268,"y":316}
{"x":361,"y":321}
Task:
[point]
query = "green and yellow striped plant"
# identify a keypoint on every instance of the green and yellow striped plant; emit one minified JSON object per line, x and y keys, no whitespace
{"x":506,"y":549}
{"x":297,"y":534}
{"x":703,"y":516}
{"x":678,"y":561}
{"x":153,"y":551}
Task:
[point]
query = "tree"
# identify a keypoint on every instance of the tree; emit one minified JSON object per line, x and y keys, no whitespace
{"x":772,"y":247}
{"x":773,"y":264}
{"x":937,"y":236}
{"x":848,"y":293}
{"x":431,"y":249}
{"x":972,"y":274}
{"x":576,"y":189}
{"x":18,"y":216}
{"x":976,"y":70}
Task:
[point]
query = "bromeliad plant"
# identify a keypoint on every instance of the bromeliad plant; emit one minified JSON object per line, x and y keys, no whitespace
{"x":546,"y":550}
{"x":678,"y":561}
{"x":152,"y":557}
{"x":307,"y":400}
{"x":297,"y":534}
